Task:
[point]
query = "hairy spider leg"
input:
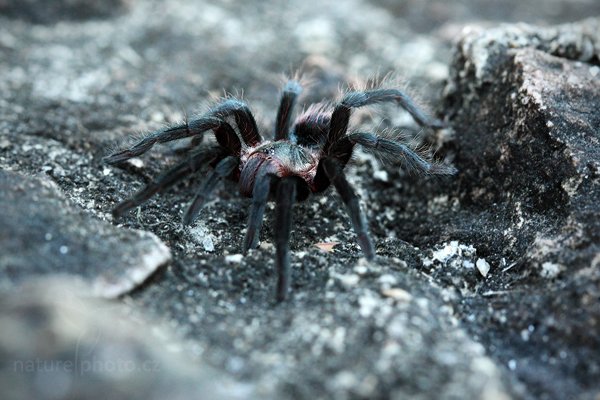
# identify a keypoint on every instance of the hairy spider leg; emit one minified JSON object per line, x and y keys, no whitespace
{"x":227,"y":138}
{"x":312,"y":127}
{"x":243,"y":118}
{"x":394,"y":150}
{"x":260,"y":196}
{"x":335,"y":173}
{"x":214,"y":119}
{"x":341,"y":113}
{"x":286,"y":196}
{"x":193,"y":128}
{"x":193,"y":163}
{"x":223,"y":169}
{"x":289,"y":96}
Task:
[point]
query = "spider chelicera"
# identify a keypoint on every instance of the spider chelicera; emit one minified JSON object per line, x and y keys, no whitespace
{"x":303,"y":157}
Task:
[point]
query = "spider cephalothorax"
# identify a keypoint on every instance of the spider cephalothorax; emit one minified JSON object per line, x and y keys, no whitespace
{"x":303,"y":157}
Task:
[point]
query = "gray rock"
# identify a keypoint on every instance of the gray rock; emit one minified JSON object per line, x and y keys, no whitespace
{"x":58,"y":343}
{"x":44,"y":234}
{"x":61,"y":10}
{"x":366,"y":331}
{"x":425,"y":15}
{"x":524,"y":104}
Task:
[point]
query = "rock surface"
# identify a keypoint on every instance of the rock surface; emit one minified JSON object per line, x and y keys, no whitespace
{"x":524,"y":102}
{"x":43,"y":234}
{"x":56,"y":342}
{"x":487,"y":282}
{"x":63,"y":10}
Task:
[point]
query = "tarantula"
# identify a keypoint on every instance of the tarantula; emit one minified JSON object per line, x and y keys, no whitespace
{"x":303,"y":157}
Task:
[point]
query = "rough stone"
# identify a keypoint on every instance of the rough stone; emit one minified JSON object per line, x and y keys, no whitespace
{"x":49,"y":12}
{"x":44,"y":234}
{"x":58,"y":343}
{"x":524,"y":103}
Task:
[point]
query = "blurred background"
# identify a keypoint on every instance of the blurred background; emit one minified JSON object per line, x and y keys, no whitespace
{"x":182,"y":49}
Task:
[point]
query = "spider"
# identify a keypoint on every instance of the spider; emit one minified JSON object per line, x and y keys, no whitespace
{"x":303,"y":157}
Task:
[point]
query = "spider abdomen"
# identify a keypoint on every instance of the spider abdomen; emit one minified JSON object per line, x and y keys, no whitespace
{"x":280,"y":158}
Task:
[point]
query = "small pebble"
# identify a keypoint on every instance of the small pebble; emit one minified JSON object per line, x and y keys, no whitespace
{"x":483,"y":267}
{"x":234,"y":258}
{"x":397,"y":294}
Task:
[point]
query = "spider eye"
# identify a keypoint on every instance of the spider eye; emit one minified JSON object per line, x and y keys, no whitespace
{"x":268,"y":151}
